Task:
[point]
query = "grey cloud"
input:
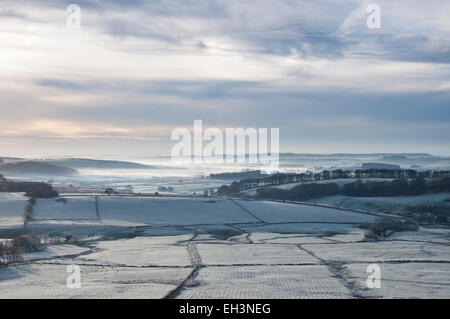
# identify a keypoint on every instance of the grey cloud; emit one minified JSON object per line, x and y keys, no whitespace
{"x":61,"y":84}
{"x":270,"y":28}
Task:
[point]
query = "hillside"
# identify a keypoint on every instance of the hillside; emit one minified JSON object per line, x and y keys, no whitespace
{"x":80,"y":163}
{"x":36,"y":168}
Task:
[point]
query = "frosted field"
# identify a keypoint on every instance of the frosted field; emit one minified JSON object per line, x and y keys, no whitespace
{"x":382,"y":251}
{"x":269,"y":238}
{"x":383,"y":204}
{"x":49,"y":281}
{"x":54,"y":252}
{"x":279,"y":212}
{"x":272,"y":282}
{"x":425,"y":235}
{"x":12,"y":207}
{"x":140,"y":251}
{"x":144,"y":247}
{"x":171,"y":211}
{"x":298,"y":228}
{"x":254,"y":254}
{"x":411,"y":280}
{"x":76,"y":207}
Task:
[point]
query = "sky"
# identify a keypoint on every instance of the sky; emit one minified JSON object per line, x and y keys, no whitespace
{"x":135,"y":70}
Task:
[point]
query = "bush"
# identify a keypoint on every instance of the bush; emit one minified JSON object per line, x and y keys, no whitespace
{"x":42,"y":190}
{"x":71,"y":239}
{"x":385,"y":226}
{"x":28,"y":214}
{"x":31,"y":189}
{"x":27,"y":243}
{"x":11,"y":251}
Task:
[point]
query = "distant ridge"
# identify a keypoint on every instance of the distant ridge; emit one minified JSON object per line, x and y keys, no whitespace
{"x":239,"y":175}
{"x":80,"y":163}
{"x":36,"y":168}
{"x":359,"y":154}
{"x":366,"y":166}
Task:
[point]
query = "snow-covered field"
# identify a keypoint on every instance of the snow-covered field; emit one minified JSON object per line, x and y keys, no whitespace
{"x":270,"y":282}
{"x":254,"y":254}
{"x":55,"y":251}
{"x":74,"y":208}
{"x":384,"y":204}
{"x":40,"y":280}
{"x":140,"y":251}
{"x":386,"y":251}
{"x":299,"y":228}
{"x":145,"y":247}
{"x":171,"y":211}
{"x":408,"y":280}
{"x":12,"y":207}
{"x":280,"y":212}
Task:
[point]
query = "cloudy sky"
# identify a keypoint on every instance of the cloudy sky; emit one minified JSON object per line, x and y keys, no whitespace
{"x":136,"y":70}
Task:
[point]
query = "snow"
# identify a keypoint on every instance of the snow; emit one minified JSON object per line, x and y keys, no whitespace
{"x":171,"y":211}
{"x":411,"y":280}
{"x":425,"y":235}
{"x":77,"y":207}
{"x":382,"y":251}
{"x":281,"y":212}
{"x":141,"y":251}
{"x":217,"y":231}
{"x":261,"y":237}
{"x":55,"y":251}
{"x":383,"y":204}
{"x":269,"y":282}
{"x":351,"y":237}
{"x":272,"y":238}
{"x":79,"y":228}
{"x":49,"y":281}
{"x":164,"y":231}
{"x":12,"y":207}
{"x":251,"y":254}
{"x":144,"y":247}
{"x":299,"y":228}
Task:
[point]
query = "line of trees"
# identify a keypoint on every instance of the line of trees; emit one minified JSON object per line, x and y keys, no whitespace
{"x":397,"y":187}
{"x":31,"y":189}
{"x":11,"y":250}
{"x":286,"y":178}
{"x":29,"y":211}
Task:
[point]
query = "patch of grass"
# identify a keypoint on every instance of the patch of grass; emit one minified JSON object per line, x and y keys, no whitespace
{"x":224,"y":234}
{"x":328,"y":234}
